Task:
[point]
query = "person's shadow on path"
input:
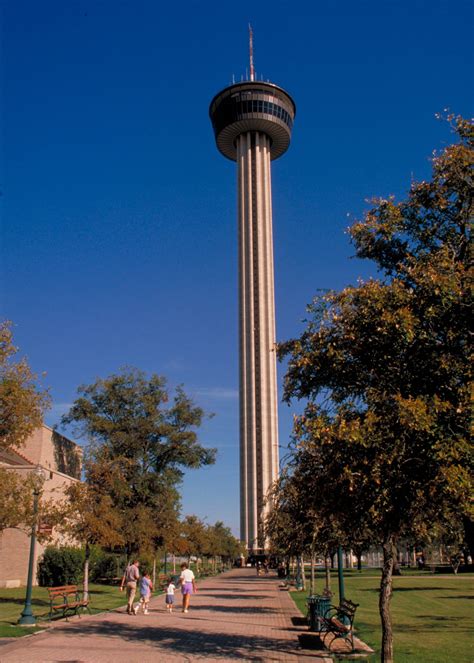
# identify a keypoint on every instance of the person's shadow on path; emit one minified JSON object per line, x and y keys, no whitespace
{"x":178,"y":641}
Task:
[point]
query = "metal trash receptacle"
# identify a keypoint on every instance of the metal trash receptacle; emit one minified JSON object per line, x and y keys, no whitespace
{"x":317,"y":608}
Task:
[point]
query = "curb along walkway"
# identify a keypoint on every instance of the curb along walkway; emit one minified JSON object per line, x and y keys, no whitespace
{"x":234,"y":616}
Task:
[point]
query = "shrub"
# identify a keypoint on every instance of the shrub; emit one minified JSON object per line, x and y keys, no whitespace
{"x":60,"y":566}
{"x":105,"y":567}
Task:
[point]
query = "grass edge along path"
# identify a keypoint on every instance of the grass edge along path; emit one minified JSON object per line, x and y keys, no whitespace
{"x":102,"y":598}
{"x":432,"y":615}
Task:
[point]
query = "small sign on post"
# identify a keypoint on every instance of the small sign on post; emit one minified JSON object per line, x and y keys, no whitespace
{"x":44,"y":528}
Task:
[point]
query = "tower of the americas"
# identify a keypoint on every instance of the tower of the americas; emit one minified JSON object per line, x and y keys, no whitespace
{"x":252,"y":123}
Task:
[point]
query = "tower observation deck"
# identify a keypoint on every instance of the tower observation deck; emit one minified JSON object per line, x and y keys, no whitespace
{"x":252,"y":123}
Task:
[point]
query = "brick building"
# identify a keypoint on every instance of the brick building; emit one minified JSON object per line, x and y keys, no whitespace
{"x":61,"y":461}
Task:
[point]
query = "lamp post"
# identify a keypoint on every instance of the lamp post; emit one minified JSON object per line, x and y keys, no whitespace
{"x":340,"y":574}
{"x":27,"y":618}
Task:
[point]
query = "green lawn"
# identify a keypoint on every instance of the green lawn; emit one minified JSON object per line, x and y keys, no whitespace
{"x":432,"y":615}
{"x":102,"y":597}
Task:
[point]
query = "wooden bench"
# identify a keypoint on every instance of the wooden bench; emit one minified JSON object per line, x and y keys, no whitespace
{"x":162,"y":580}
{"x":66,"y":600}
{"x":338,"y":622}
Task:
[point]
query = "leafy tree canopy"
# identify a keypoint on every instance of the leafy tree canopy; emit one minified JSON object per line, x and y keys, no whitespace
{"x":139,"y":445}
{"x":392,"y":356}
{"x":22,"y":402}
{"x":16,"y":500}
{"x":386,"y":369}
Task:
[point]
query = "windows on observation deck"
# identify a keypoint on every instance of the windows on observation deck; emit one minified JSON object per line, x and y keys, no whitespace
{"x":239,"y":107}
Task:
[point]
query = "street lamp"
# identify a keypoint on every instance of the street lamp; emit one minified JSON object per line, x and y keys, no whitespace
{"x":340,"y":574}
{"x":27,"y":618}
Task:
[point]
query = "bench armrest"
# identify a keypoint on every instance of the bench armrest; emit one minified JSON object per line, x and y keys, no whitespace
{"x":332,"y":611}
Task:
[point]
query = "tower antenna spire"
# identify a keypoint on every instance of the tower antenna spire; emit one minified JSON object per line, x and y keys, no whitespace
{"x":252,"y":70}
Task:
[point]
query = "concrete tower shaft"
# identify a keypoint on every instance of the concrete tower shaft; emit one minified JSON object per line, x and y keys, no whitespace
{"x":252,"y":123}
{"x":258,"y":384}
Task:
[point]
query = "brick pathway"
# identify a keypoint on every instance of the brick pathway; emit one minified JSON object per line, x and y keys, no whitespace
{"x":235,"y":616}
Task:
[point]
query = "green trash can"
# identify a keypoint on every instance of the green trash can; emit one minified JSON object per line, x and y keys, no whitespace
{"x":317,"y":608}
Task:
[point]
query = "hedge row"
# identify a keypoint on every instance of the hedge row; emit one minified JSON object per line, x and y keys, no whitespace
{"x":65,"y":566}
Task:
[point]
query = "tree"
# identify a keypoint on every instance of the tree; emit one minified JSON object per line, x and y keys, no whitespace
{"x":88,"y":516}
{"x":290,"y":524}
{"x":390,"y":360}
{"x":138,"y":448}
{"x":16,"y":500}
{"x":210,"y":541}
{"x":223,"y":543}
{"x":22,"y":402}
{"x":195,"y":533}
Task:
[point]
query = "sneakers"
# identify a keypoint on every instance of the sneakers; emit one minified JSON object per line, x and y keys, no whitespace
{"x":135,"y":609}
{"x":145,"y":612}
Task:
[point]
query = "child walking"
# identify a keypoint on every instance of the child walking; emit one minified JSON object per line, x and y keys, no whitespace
{"x":146,"y":588}
{"x":170,"y":589}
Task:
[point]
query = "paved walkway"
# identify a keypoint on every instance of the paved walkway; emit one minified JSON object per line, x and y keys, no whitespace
{"x":235,"y":616}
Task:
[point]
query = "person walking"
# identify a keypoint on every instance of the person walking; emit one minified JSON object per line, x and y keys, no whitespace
{"x":146,"y":587}
{"x":130,"y":579}
{"x":188,"y":585}
{"x":170,"y":589}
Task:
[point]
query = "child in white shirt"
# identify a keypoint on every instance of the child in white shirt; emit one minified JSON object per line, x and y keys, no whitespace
{"x":170,"y":589}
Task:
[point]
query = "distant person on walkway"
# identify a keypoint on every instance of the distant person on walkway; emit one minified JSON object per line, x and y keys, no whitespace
{"x":169,"y":600}
{"x":146,"y":588}
{"x":188,"y":585}
{"x":129,"y":580}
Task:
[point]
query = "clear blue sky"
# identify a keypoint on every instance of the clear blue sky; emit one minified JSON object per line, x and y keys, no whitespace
{"x":118,"y":242}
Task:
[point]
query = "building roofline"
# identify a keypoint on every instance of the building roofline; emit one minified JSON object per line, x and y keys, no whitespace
{"x":31,"y":467}
{"x":53,"y":430}
{"x":22,"y":456}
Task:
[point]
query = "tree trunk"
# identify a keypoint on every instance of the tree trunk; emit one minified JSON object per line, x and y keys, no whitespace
{"x":359,"y":561}
{"x":86,"y":572}
{"x":311,"y":588}
{"x":327,"y":571}
{"x":303,"y":575}
{"x":469,"y":535}
{"x":385,"y":598}
{"x":351,"y":559}
{"x":396,"y":564}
